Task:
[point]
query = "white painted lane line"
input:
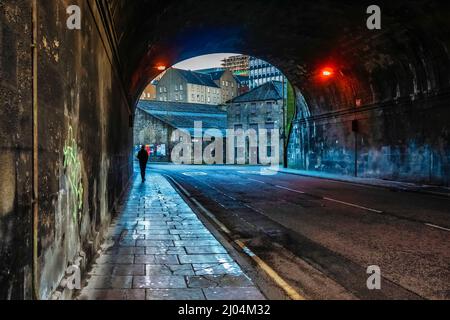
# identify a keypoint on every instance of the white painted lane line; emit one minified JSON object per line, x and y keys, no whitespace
{"x":437,"y":227}
{"x":353,"y":205}
{"x":259,"y":181}
{"x":289,"y":189}
{"x":334,"y":200}
{"x":194,"y":174}
{"x":250,"y":172}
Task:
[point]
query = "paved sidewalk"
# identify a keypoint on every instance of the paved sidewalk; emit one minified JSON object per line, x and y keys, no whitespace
{"x":159,"y":250}
{"x":402,"y":186}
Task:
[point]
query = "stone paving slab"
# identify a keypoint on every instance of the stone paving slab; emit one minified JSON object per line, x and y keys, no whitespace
{"x":158,"y":249}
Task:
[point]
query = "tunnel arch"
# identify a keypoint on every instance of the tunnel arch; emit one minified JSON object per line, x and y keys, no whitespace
{"x":390,"y":94}
{"x":305,"y":38}
{"x":385,"y":81}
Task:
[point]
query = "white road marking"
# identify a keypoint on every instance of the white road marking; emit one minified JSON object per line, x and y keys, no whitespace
{"x":296,"y":191}
{"x":250,"y":172}
{"x":334,"y":200}
{"x":259,"y":181}
{"x":194,"y":174}
{"x":353,"y":205}
{"x":437,"y":227}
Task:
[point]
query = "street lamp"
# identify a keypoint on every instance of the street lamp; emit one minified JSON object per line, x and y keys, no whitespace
{"x":327,"y":72}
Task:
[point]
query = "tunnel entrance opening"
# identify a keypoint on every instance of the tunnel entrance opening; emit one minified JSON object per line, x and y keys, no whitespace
{"x":348,"y":76}
{"x":216,"y":109}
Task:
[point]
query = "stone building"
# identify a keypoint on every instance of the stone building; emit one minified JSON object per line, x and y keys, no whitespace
{"x":228,"y":83}
{"x":149,"y":92}
{"x":155,"y":122}
{"x":188,"y":86}
{"x":213,"y":87}
{"x":260,"y":108}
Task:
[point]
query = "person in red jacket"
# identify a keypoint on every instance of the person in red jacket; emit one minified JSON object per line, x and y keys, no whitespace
{"x":143,"y":160}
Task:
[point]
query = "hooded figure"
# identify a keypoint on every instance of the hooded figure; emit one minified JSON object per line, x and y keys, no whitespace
{"x":143,"y":160}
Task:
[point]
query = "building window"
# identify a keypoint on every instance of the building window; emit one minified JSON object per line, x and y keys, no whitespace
{"x":181,"y":87}
{"x":160,"y":89}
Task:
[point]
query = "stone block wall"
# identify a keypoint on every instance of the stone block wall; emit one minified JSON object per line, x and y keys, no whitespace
{"x":84,"y":136}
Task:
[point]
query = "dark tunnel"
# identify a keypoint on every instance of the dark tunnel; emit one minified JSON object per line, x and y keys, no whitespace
{"x":383,"y":114}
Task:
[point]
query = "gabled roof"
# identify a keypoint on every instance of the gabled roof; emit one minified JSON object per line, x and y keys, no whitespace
{"x":216,"y":75}
{"x":184,"y":115}
{"x":197,"y":78}
{"x":269,"y":91}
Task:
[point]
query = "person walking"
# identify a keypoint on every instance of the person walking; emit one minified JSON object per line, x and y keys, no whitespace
{"x":143,"y":160}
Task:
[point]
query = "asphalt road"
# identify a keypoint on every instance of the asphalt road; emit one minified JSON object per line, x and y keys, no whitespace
{"x":321,"y":235}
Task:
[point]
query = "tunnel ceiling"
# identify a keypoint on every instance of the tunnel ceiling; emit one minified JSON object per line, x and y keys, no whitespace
{"x":408,"y":56}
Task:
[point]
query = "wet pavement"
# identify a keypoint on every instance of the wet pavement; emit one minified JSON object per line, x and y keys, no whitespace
{"x":158,"y":249}
{"x":338,"y":229}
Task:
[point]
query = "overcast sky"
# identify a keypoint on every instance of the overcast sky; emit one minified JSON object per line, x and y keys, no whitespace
{"x":204,"y":62}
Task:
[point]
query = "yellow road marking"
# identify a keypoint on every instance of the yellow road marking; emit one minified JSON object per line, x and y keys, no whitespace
{"x":290,"y":291}
{"x":294,"y":295}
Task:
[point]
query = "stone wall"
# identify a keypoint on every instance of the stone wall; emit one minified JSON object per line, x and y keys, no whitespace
{"x":405,"y":141}
{"x":150,"y":130}
{"x":257,"y":115}
{"x":15,"y":150}
{"x":84,"y":146}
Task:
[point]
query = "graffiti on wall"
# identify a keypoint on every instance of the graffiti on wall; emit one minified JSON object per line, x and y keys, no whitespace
{"x":72,"y":167}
